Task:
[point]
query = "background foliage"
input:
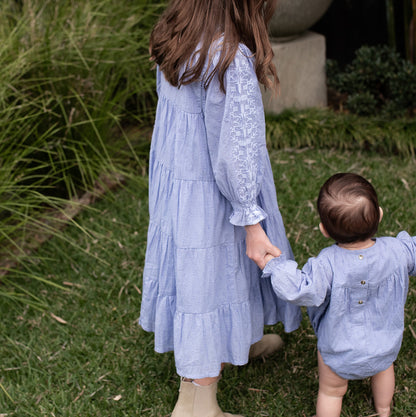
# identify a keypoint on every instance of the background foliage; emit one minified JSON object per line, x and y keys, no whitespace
{"x":74,"y":74}
{"x":377,"y":81}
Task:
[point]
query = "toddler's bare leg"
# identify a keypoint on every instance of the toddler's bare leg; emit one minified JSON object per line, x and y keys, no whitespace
{"x":331,"y":391}
{"x":382,"y":385}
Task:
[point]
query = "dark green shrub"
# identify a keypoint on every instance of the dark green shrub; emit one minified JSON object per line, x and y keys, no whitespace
{"x":378,"y":81}
{"x":363,"y":104}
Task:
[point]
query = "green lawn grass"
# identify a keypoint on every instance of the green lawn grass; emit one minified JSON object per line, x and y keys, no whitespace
{"x":86,"y":356}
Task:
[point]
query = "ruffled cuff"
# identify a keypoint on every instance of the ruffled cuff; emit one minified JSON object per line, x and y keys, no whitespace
{"x":272,"y":264}
{"x":246,"y":215}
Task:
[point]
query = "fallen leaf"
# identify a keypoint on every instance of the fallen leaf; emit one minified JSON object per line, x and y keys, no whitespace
{"x":412,"y":331}
{"x":406,"y":184}
{"x":71,"y":284}
{"x":80,"y":394}
{"x":58,"y":319}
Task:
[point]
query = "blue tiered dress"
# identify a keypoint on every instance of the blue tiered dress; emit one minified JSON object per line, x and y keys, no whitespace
{"x":209,"y":176}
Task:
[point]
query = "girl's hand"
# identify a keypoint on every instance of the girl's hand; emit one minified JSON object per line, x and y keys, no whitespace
{"x":258,"y":246}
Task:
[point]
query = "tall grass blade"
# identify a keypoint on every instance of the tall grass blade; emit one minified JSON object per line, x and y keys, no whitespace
{"x":6,"y":393}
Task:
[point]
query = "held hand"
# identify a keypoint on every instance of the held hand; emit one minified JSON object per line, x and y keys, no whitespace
{"x":258,"y":246}
{"x":268,"y":258}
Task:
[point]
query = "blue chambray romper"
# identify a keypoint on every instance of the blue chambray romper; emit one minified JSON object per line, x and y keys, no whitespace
{"x":356,"y":301}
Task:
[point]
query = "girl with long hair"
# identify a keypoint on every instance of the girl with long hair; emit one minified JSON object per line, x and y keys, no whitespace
{"x":214,"y":217}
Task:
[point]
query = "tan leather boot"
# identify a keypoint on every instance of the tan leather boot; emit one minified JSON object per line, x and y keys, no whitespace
{"x":269,"y":344}
{"x":198,"y":401}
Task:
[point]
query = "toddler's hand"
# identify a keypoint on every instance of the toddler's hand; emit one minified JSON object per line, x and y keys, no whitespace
{"x":269,"y":257}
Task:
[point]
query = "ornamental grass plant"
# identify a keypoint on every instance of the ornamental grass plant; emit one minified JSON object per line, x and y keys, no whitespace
{"x":72,"y":74}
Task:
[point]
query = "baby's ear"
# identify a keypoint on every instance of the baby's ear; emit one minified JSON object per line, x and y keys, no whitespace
{"x":323,"y":230}
{"x":381,"y":213}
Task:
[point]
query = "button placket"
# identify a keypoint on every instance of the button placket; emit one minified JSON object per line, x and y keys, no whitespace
{"x":362,"y":282}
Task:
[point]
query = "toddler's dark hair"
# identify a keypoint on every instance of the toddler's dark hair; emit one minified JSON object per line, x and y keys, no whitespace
{"x":348,"y":208}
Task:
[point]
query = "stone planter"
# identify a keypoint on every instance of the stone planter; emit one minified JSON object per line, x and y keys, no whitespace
{"x":293,"y":17}
{"x":299,"y":56}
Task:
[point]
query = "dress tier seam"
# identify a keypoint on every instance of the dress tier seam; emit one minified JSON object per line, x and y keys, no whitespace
{"x":192,"y":247}
{"x":180,"y":108}
{"x":163,"y":166}
{"x":219,"y":307}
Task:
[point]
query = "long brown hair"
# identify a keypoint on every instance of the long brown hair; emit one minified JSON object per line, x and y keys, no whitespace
{"x":186,"y":23}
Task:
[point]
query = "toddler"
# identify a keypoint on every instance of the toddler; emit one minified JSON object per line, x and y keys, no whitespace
{"x":355,"y":289}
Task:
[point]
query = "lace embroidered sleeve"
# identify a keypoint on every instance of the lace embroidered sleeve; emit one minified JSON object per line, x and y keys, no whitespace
{"x":236,"y":139}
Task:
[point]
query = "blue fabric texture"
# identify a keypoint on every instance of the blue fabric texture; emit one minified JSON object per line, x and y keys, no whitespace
{"x":356,"y":301}
{"x":209,"y":176}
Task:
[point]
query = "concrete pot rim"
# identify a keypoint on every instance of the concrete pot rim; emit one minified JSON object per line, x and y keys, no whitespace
{"x":294,"y":17}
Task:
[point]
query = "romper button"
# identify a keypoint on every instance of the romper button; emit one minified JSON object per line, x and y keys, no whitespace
{"x":360,"y":256}
{"x":362,"y":282}
{"x":360,"y":302}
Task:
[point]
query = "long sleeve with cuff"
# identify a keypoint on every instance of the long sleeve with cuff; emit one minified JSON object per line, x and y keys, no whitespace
{"x":236,"y":139}
{"x":308,"y":286}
